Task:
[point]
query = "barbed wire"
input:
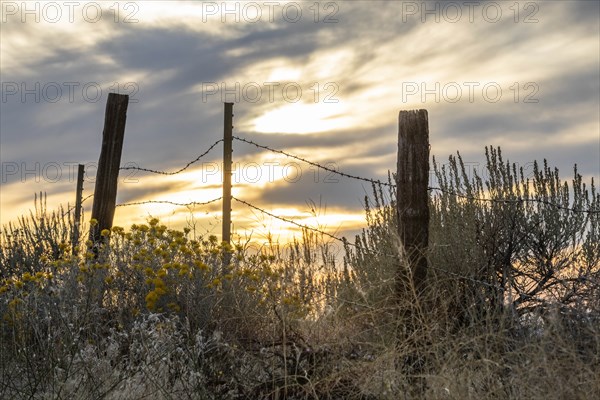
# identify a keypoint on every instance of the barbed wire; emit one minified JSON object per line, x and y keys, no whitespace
{"x":179,"y":170}
{"x":73,"y":207}
{"x":314,"y":164}
{"x":287,"y":220}
{"x":372,"y":181}
{"x":391,"y":185}
{"x":191,"y":203}
{"x":346,"y":242}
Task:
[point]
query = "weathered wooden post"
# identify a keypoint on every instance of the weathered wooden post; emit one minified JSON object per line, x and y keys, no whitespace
{"x":78,"y":201}
{"x":105,"y":192}
{"x":227,"y":166}
{"x":228,"y":300}
{"x":412,"y":195}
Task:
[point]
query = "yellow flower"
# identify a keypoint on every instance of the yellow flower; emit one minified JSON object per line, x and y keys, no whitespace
{"x":158,"y":283}
{"x":14,"y":303}
{"x":105,"y":233}
{"x":93,"y":222}
{"x":201,"y":265}
{"x":151,"y":299}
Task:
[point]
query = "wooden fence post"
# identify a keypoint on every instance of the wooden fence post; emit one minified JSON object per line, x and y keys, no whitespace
{"x":412,"y":198}
{"x":78,"y":201}
{"x":105,"y":192}
{"x":227,"y":166}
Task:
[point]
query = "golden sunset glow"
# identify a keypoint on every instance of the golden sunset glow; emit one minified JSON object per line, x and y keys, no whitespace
{"x":303,"y":118}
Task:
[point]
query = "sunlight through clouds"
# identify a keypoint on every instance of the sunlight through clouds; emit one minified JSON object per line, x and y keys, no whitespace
{"x":303,"y":118}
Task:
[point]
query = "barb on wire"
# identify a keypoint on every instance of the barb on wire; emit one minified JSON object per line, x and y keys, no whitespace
{"x":516,"y":201}
{"x":374,"y":181}
{"x":179,"y":170}
{"x":192,"y":203}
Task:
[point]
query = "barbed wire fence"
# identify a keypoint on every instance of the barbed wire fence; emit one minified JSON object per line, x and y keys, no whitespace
{"x":343,"y":240}
{"x":413,"y":153}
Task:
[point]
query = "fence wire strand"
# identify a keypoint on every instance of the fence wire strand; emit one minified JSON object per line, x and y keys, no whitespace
{"x":314,"y":164}
{"x":191,"y":203}
{"x":73,"y":207}
{"x":179,"y":170}
{"x":287,"y":220}
{"x":346,"y":242}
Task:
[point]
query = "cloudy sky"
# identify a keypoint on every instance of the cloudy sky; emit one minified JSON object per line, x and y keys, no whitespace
{"x":322,"y":80}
